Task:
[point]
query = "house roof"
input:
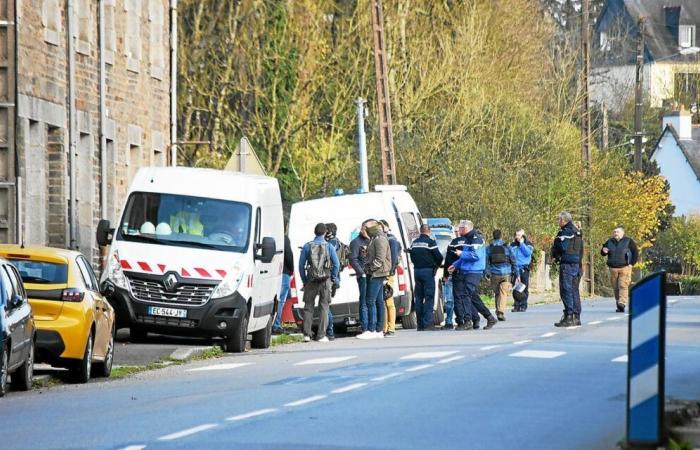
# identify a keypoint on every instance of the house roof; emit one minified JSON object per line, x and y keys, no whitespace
{"x":689,"y":147}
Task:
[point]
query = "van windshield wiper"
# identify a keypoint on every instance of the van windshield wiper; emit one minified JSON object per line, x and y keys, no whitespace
{"x":141,"y":238}
{"x":192,"y":244}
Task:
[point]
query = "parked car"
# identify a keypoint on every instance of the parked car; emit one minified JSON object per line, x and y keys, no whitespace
{"x":17,"y":334}
{"x":75,"y":323}
{"x":197,"y":252}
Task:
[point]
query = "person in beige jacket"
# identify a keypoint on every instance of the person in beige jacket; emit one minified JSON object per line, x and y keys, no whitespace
{"x":378,"y":269}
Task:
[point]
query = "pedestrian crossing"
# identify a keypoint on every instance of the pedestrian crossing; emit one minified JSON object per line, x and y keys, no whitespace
{"x":539,"y":354}
{"x":322,"y":361}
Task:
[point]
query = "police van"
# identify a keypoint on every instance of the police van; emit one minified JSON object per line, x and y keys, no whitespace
{"x":392,"y":203}
{"x":196,"y":252}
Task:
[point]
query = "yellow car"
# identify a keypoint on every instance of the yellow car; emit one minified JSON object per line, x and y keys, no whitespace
{"x":74,"y":322}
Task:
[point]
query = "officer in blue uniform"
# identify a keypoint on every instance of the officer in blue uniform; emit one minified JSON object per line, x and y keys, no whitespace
{"x":567,"y":249}
{"x":426,"y":258}
{"x":522,"y":250}
{"x":462,"y":312}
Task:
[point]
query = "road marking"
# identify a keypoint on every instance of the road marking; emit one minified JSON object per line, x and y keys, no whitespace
{"x":134,"y":447}
{"x":524,"y":341}
{"x":188,"y":432}
{"x":595,"y":322}
{"x":449,"y":360}
{"x":489,"y":347}
{"x":614,"y":318}
{"x":219,"y":367}
{"x":428,"y":355}
{"x":329,"y":360}
{"x":550,"y":334}
{"x":388,"y":376}
{"x":307,"y":400}
{"x":542,"y":354}
{"x":620,"y":359}
{"x":672,"y":301}
{"x":250,"y":415}
{"x":573,"y":328}
{"x":421,"y":367}
{"x":349,"y":388}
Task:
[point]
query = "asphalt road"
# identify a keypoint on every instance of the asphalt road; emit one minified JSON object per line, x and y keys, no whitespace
{"x":524,"y":384}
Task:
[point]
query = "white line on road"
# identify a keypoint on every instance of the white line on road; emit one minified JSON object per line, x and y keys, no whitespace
{"x":672,"y":301}
{"x":329,"y":360}
{"x":188,"y":432}
{"x":449,"y":360}
{"x":134,"y":447}
{"x":388,"y":376}
{"x":421,"y":367}
{"x":550,"y":334}
{"x":542,"y":354}
{"x":489,"y":347}
{"x":250,"y":415}
{"x":219,"y":367}
{"x":524,"y":341}
{"x":620,"y":359}
{"x":349,"y":388}
{"x":573,"y":328}
{"x":614,"y":318}
{"x":428,"y":355}
{"x":595,"y":322}
{"x":307,"y":400}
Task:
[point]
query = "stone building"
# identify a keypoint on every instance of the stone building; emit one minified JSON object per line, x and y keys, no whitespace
{"x":63,"y":168}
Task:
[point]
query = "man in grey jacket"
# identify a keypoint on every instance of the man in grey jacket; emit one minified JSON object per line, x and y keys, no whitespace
{"x":377,"y":269}
{"x":358,"y":261}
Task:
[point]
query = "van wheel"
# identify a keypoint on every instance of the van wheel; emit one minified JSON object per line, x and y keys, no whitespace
{"x":409,"y":322}
{"x":22,"y":378}
{"x":104,"y":368}
{"x":81,"y":373}
{"x":439,"y":313}
{"x":263,"y":338}
{"x":4,"y":373}
{"x":237,"y":342}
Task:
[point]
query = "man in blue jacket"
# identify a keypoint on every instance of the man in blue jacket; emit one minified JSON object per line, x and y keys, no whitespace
{"x":567,"y":249}
{"x":467,"y":271}
{"x":500,"y":264}
{"x":522,"y":251}
{"x":426,"y":258}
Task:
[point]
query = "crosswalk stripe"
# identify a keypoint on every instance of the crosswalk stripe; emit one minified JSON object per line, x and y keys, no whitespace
{"x":429,"y":355}
{"x":329,"y":360}
{"x":219,"y":367}
{"x":620,"y":359}
{"x":542,"y":354}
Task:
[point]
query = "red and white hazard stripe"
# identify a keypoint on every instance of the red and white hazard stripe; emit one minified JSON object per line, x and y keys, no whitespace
{"x":401,"y":278}
{"x":185,"y":272}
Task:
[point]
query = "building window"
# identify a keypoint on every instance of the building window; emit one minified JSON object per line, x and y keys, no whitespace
{"x":133,"y":35}
{"x":51,"y":20}
{"x":686,"y":36}
{"x":84,"y":28}
{"x":133,"y":161}
{"x":110,"y":31}
{"x":157,"y":54}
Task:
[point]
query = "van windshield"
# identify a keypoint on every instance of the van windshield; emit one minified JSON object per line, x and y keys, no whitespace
{"x":185,"y":221}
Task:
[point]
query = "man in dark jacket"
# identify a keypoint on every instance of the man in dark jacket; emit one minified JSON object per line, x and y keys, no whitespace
{"x":287,"y":273}
{"x":377,"y":270}
{"x":567,"y":249}
{"x":622,"y":254}
{"x":426,"y":258}
{"x":390,"y":307}
{"x":358,"y":261}
{"x":500,"y":264}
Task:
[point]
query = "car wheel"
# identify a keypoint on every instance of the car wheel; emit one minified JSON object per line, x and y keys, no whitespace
{"x":409,"y":322}
{"x":263,"y":338}
{"x":81,"y":373}
{"x":22,"y":378}
{"x":137,"y":334}
{"x":237,"y":342}
{"x":4,"y":372}
{"x":104,"y":368}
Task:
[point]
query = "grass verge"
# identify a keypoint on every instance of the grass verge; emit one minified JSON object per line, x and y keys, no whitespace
{"x":286,"y":339}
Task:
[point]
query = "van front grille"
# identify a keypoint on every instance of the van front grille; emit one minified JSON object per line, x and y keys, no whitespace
{"x":153,"y":291}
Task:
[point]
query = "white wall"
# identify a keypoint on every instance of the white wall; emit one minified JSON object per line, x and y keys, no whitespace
{"x":685,"y":186}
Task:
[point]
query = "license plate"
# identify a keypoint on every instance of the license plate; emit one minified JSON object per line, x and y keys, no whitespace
{"x":167,"y":312}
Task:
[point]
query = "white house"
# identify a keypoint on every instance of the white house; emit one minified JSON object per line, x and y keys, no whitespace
{"x":677,"y":154}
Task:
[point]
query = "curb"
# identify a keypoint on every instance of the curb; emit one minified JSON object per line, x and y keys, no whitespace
{"x":187,"y":353}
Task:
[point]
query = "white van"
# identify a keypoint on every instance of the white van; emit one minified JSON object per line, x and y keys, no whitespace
{"x":197,"y":252}
{"x":392,"y":203}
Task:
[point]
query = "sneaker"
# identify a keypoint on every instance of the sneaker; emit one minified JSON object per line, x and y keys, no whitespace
{"x":468,"y":325}
{"x":501,"y":317}
{"x":490,"y":322}
{"x":378,"y":335}
{"x":448,"y":326}
{"x":307,"y":338}
{"x":331,"y":338}
{"x":365,"y":335}
{"x":324,"y":339}
{"x":389,"y":334}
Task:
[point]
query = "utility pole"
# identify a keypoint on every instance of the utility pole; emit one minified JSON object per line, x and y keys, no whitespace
{"x":586,"y":141}
{"x":362,"y":145}
{"x":605,"y":140}
{"x":386,"y":139}
{"x":638,"y":97}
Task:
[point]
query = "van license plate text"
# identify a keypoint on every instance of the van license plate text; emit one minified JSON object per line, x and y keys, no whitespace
{"x":167,"y":312}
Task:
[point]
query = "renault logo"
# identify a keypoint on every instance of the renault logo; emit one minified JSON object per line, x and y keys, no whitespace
{"x":170,"y":282}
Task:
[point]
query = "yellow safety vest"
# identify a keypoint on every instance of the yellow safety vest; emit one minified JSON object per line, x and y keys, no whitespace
{"x":187,"y":223}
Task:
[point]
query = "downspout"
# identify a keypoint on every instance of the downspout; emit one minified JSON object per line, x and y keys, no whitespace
{"x":173,"y":82}
{"x":103,"y":112}
{"x":72,"y":144}
{"x":19,"y":235}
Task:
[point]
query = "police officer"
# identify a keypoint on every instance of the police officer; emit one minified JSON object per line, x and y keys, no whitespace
{"x":567,"y":249}
{"x":462,"y":305}
{"x":522,"y":251}
{"x":426,"y":258}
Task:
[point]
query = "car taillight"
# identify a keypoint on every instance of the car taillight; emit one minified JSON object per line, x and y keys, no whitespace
{"x":401,"y":275}
{"x":72,"y":295}
{"x":293,"y":299}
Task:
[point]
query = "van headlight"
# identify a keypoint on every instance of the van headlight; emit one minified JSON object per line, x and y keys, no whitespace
{"x":115,"y":274}
{"x":229,"y":284}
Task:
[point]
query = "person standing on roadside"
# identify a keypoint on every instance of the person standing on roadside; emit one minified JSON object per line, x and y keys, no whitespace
{"x":500,"y":264}
{"x":378,"y":269}
{"x":567,"y":250}
{"x":522,"y":251}
{"x":318,"y":267}
{"x":287,"y":273}
{"x":460,"y":305}
{"x":341,"y":250}
{"x":358,"y":261}
{"x":622,"y":254}
{"x":390,"y":307}
{"x":426,"y":258}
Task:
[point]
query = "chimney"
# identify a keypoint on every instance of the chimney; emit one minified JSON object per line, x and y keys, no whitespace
{"x":681,"y":123}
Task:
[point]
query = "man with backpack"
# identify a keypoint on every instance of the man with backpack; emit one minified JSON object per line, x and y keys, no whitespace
{"x":378,"y":269}
{"x":319,"y":268}
{"x":501,"y":265}
{"x":342,"y":251}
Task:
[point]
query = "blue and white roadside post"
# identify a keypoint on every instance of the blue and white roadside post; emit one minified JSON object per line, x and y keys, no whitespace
{"x":646,"y":347}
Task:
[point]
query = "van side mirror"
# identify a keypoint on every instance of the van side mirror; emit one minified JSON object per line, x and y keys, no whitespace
{"x":104,"y":233}
{"x":16,"y":301}
{"x":268,"y":248}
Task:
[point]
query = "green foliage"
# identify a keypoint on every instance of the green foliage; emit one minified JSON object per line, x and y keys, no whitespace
{"x":677,"y":249}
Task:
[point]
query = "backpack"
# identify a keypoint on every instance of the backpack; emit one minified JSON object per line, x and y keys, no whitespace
{"x":318,"y":264}
{"x":343,"y":255}
{"x":498,"y":255}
